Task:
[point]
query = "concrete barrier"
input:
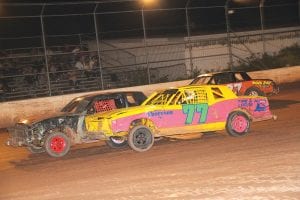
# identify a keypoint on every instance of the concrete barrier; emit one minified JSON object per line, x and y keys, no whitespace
{"x":12,"y":111}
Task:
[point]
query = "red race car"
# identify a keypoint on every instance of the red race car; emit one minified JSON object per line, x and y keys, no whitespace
{"x":239,"y":82}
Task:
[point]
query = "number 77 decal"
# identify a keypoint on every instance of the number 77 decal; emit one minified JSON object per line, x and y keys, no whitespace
{"x":191,"y":109}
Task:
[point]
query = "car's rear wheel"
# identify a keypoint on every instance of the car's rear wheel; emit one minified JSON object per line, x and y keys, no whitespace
{"x":253,"y":91}
{"x":36,"y":149}
{"x":238,"y":124}
{"x":140,"y":138}
{"x":116,"y":142}
{"x":57,"y":144}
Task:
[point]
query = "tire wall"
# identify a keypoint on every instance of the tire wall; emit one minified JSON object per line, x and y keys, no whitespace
{"x":13,"y":111}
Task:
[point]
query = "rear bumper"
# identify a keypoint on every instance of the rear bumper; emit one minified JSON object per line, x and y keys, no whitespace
{"x":268,"y":117}
{"x":276,"y":89}
{"x":273,"y":91}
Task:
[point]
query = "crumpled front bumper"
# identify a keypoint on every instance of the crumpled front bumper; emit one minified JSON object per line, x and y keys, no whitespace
{"x":18,"y":136}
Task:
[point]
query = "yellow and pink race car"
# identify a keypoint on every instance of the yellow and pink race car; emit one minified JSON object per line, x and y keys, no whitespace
{"x":188,"y":109}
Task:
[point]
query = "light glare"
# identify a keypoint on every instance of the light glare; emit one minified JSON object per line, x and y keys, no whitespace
{"x":148,"y":2}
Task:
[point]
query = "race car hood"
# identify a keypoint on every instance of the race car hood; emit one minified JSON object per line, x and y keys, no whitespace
{"x":123,"y":112}
{"x":38,"y":118}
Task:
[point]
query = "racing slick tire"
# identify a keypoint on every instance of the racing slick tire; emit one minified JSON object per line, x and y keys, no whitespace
{"x":140,"y":138}
{"x":238,"y":124}
{"x":57,"y":144}
{"x":116,"y":142}
{"x":35,"y":149}
{"x":254,"y":91}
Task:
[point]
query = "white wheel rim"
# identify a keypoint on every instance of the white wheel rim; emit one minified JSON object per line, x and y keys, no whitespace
{"x":253,"y":93}
{"x":118,"y":140}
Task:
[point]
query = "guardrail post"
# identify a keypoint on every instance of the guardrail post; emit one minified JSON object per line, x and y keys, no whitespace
{"x":299,"y":10}
{"x":98,"y":47}
{"x":189,"y":38}
{"x":145,"y":46}
{"x":45,"y":49}
{"x":262,"y":24}
{"x":228,"y":35}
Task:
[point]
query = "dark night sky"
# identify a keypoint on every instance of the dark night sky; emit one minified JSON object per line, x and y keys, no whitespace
{"x":202,"y":20}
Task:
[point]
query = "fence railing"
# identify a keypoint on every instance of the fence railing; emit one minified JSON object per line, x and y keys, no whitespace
{"x":58,"y":48}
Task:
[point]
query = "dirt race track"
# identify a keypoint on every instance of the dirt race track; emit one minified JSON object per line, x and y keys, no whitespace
{"x":262,"y":165}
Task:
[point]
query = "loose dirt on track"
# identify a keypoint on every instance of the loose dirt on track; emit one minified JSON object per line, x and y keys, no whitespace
{"x":262,"y":165}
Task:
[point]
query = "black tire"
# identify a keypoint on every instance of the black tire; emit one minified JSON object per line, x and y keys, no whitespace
{"x":57,"y":144}
{"x":254,"y":91}
{"x":238,"y":124}
{"x":35,"y":149}
{"x":117,"y":142}
{"x":140,"y":138}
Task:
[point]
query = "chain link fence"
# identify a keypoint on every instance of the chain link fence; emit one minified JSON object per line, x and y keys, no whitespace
{"x":60,"y":48}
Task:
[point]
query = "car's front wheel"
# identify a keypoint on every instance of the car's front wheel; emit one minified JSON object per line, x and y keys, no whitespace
{"x":140,"y":138}
{"x":57,"y":144}
{"x":238,"y":124}
{"x":116,"y":142}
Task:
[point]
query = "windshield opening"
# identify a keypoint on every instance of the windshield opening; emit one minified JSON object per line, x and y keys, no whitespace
{"x":77,"y":105}
{"x":203,"y":80}
{"x":162,"y":98}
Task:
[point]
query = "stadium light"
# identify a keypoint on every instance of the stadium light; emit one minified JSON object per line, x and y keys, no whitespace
{"x":245,"y":2}
{"x":148,"y":3}
{"x":230,"y":12}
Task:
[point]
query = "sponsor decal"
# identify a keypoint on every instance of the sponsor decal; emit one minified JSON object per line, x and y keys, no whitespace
{"x":262,"y":83}
{"x":235,"y":87}
{"x":245,"y":103}
{"x":159,"y":114}
{"x":261,"y":105}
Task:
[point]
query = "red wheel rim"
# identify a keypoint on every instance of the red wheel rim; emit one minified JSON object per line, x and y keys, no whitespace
{"x":57,"y":144}
{"x":239,"y":124}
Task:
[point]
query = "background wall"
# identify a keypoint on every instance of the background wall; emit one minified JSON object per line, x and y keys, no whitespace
{"x":13,"y":111}
{"x":126,"y":43}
